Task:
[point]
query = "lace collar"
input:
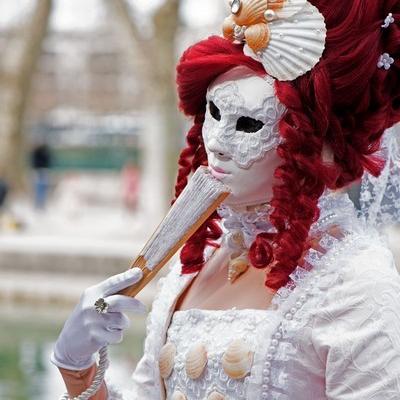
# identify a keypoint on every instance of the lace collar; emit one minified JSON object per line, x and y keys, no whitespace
{"x":242,"y":224}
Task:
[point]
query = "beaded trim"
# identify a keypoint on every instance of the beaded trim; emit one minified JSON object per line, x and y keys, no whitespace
{"x":310,"y":282}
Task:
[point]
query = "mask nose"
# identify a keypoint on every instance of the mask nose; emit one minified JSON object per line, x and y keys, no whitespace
{"x":217,"y":149}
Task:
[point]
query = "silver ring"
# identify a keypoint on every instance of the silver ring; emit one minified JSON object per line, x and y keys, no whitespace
{"x":101,"y":306}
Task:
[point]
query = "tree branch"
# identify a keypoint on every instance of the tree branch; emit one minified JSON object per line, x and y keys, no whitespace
{"x":122,"y":10}
{"x":12,"y":157}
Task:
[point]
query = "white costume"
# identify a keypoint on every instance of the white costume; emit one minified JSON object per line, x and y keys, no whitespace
{"x":333,"y":335}
{"x":333,"y":332}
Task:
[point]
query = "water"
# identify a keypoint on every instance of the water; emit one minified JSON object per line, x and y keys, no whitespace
{"x":26,"y":340}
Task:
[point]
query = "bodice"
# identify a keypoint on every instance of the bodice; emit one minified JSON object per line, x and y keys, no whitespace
{"x":214,"y":331}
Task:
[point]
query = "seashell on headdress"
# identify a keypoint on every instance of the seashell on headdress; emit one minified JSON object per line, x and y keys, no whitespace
{"x":286,"y":36}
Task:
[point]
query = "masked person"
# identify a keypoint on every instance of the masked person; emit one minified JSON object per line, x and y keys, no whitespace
{"x":286,"y":292}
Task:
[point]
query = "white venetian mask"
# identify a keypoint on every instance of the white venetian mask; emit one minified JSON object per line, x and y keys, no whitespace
{"x":242,"y":116}
{"x":239,"y":132}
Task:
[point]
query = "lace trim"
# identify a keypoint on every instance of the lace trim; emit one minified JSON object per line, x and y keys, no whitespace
{"x":379,"y":196}
{"x":244,"y":223}
{"x":294,"y":302}
{"x":157,"y":323}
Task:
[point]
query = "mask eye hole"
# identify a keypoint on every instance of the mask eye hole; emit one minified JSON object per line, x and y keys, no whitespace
{"x":249,"y":125}
{"x":214,"y":111}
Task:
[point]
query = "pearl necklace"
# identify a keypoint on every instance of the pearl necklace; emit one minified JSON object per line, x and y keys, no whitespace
{"x":241,"y":225}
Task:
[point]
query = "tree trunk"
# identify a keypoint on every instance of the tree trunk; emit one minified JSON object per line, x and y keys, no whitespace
{"x":158,"y":55}
{"x":166,"y":24}
{"x":15,"y":82}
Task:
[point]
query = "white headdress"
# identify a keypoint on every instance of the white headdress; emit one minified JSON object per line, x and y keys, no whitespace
{"x":286,"y":36}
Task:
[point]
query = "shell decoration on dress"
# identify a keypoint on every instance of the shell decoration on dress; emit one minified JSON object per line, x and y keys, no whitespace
{"x":286,"y":36}
{"x":237,"y":359}
{"x":166,"y":359}
{"x":177,"y":395}
{"x":196,"y":360}
{"x":215,"y":396}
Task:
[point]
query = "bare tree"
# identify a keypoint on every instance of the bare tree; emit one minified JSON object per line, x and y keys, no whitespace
{"x":18,"y":66}
{"x":157,"y":54}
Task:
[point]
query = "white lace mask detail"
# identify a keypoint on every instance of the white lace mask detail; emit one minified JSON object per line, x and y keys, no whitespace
{"x":244,"y":128}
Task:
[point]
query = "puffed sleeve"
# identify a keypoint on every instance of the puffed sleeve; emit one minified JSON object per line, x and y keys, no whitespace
{"x":144,"y":378}
{"x":142,"y":384}
{"x":145,"y":381}
{"x":357,"y":330}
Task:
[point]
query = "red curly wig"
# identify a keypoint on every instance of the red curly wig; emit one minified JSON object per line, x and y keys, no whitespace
{"x":341,"y":107}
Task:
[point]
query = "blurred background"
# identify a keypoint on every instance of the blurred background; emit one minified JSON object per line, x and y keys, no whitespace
{"x":89,"y":138}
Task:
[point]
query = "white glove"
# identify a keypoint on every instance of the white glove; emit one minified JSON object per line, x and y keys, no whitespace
{"x":86,"y":331}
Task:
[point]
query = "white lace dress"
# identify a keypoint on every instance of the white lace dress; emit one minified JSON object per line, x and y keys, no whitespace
{"x":333,"y":334}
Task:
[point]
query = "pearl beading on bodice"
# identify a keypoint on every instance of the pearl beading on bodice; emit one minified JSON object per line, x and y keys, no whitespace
{"x":216,"y":330}
{"x":307,"y":284}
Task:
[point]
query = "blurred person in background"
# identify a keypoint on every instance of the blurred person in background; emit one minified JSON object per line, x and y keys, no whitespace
{"x":3,"y":193}
{"x":41,"y":164}
{"x":130,"y":185}
{"x":286,"y":292}
{"x":4,"y":189}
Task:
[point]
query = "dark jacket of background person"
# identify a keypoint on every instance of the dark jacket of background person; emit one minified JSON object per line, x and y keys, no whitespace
{"x":41,"y":157}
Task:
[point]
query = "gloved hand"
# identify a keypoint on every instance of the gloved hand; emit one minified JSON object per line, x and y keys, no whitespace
{"x":86,"y":331}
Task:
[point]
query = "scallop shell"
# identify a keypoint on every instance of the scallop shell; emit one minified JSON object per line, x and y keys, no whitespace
{"x":237,"y":359}
{"x":289,"y":8}
{"x":215,"y":396}
{"x":177,"y":395}
{"x":251,"y":12}
{"x":257,"y":36}
{"x":166,"y":360}
{"x":228,"y":28}
{"x":196,"y":360}
{"x":295,"y":46}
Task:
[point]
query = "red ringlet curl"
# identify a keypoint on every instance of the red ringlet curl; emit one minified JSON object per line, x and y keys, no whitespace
{"x":340,"y":108}
{"x":261,"y":253}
